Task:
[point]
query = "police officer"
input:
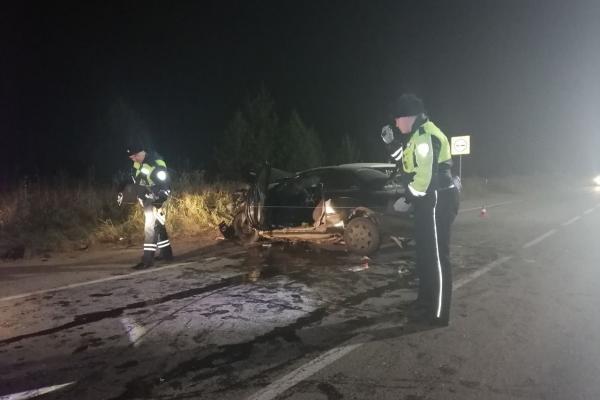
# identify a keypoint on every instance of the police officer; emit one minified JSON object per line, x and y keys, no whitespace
{"x":426,"y":163}
{"x":151,"y":177}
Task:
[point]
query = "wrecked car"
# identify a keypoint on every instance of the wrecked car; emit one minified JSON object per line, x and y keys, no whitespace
{"x":357,"y":204}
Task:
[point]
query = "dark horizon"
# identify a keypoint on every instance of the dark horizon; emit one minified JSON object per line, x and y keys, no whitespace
{"x":520,"y":76}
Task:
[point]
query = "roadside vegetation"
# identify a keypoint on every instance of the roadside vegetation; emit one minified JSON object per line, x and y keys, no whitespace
{"x":39,"y":217}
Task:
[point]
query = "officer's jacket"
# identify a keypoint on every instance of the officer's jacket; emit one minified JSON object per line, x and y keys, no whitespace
{"x":427,"y":159}
{"x":152,"y":172}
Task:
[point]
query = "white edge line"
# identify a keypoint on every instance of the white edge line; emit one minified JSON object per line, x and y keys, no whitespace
{"x":476,"y":274}
{"x":86,"y":283}
{"x":569,"y":222}
{"x":489,"y":206}
{"x":309,"y":369}
{"x":35,"y":392}
{"x":312,"y":367}
{"x":539,"y":239}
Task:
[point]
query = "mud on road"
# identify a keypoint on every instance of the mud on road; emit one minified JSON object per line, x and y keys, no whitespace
{"x":207,"y":326}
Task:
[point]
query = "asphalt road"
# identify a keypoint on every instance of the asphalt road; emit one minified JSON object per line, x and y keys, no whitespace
{"x":297,"y":322}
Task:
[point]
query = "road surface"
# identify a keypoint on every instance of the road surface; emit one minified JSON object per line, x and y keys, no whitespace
{"x":299,"y":322}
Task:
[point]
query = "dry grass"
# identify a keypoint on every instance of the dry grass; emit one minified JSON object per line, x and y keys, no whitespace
{"x":54,"y":217}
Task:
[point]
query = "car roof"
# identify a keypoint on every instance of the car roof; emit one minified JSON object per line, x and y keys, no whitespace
{"x":353,"y":166}
{"x":368,"y":165}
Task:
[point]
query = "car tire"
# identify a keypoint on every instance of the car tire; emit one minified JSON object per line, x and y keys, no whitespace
{"x":244,"y":232}
{"x":362,"y":236}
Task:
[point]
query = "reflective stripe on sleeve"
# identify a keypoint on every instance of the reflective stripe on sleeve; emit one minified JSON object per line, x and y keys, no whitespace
{"x":415,"y":192}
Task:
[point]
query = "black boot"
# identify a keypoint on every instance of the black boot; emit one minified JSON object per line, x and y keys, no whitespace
{"x":141,"y":265}
{"x":147,"y":260}
{"x":165,"y":254}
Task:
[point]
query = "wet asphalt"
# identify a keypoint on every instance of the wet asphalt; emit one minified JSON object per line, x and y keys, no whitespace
{"x":228,"y":322}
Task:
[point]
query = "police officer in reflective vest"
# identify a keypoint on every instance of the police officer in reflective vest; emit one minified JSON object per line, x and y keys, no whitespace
{"x":152,"y":178}
{"x":424,"y":152}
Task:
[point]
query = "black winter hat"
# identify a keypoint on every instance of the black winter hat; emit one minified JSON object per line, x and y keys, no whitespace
{"x":134,"y":147}
{"x":407,"y":105}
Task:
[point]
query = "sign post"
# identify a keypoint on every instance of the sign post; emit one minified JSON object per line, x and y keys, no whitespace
{"x":459,"y":146}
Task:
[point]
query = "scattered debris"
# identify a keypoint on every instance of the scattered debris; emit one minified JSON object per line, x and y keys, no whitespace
{"x":404,"y":270}
{"x":364,"y":264}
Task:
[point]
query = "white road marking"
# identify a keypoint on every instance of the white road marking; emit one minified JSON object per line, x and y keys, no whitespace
{"x":539,"y":239}
{"x":588,"y":211}
{"x":476,"y":274}
{"x":312,"y":367}
{"x":309,"y":369}
{"x":569,"y":222}
{"x":34,"y":392}
{"x":489,"y":206}
{"x":86,"y":283}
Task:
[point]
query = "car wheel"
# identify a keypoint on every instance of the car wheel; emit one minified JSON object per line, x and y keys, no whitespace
{"x":243,"y":230}
{"x":362,"y":236}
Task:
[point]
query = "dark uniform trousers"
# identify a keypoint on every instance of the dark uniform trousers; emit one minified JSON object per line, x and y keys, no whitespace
{"x":155,"y":232}
{"x":434,"y":214}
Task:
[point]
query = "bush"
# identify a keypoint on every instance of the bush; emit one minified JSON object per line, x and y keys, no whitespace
{"x":52,"y":217}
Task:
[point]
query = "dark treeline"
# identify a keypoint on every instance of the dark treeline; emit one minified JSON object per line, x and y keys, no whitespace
{"x":256,"y":132}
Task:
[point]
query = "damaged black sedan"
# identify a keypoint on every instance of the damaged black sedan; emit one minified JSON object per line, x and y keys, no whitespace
{"x":358,"y":204}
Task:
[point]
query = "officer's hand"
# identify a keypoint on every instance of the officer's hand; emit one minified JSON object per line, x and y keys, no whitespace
{"x":387,"y":134}
{"x":163,"y":195}
{"x":119,"y":198}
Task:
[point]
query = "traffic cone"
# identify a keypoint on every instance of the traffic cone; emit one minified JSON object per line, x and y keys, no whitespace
{"x":483,"y":212}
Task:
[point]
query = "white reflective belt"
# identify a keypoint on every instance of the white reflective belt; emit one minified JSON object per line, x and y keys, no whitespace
{"x":163,"y":244}
{"x":399,"y":151}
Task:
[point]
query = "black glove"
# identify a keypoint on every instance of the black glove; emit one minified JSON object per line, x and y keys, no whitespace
{"x":408,"y":196}
{"x":159,"y":196}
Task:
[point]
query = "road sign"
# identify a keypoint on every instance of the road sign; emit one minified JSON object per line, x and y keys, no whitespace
{"x":460,"y":145}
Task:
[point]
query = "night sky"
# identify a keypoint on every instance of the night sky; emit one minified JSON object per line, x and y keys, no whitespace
{"x":522,"y":77}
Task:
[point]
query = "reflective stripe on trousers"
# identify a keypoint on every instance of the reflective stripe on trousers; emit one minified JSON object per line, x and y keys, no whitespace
{"x":155,"y":232}
{"x":434,"y":214}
